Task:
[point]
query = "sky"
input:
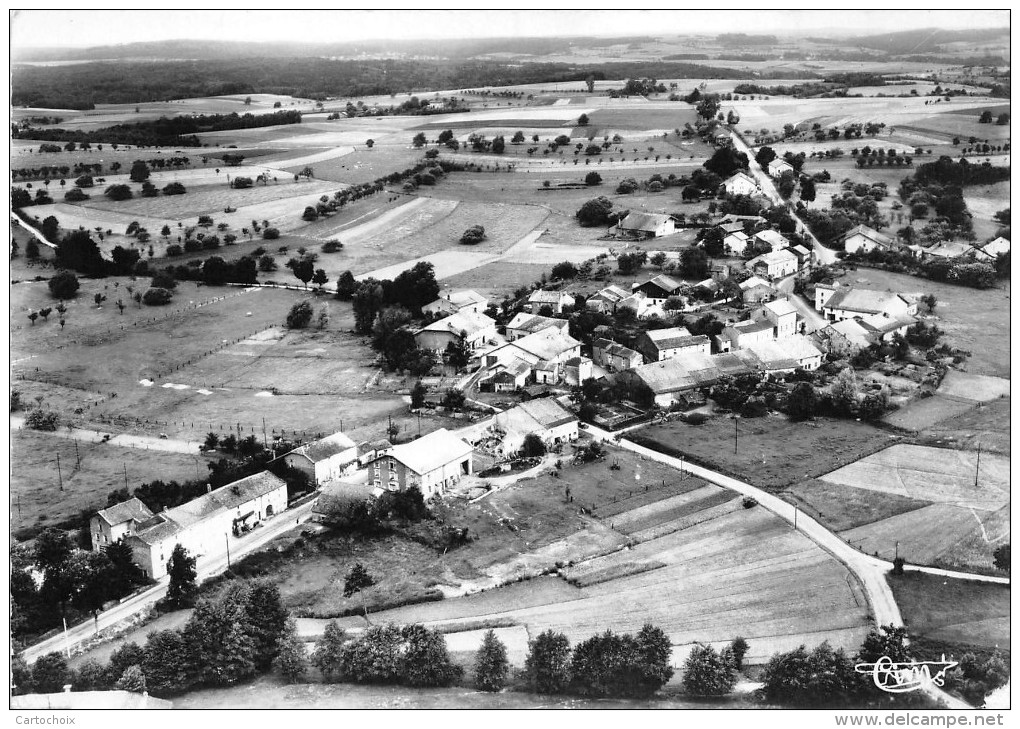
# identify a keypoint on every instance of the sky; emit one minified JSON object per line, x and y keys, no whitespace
{"x":64,"y":28}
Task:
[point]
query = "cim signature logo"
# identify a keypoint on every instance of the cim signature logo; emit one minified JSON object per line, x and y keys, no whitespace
{"x":898,"y":678}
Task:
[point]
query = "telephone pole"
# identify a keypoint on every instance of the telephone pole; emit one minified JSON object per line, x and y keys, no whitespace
{"x":977,"y":466}
{"x":265,"y":439}
{"x":125,"y":476}
{"x":60,"y":477}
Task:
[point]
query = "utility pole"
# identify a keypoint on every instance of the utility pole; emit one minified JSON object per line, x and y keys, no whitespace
{"x":60,"y":477}
{"x":227,"y":540}
{"x":977,"y":466}
{"x":265,"y":439}
{"x":734,"y":435}
{"x":125,"y":476}
{"x":77,"y":454}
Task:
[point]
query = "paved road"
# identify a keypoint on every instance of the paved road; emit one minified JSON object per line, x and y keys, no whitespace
{"x":209,"y":567}
{"x":822,"y":254}
{"x":870,"y":571}
{"x":142,"y":442}
{"x":811,"y":318}
{"x":42,"y":239}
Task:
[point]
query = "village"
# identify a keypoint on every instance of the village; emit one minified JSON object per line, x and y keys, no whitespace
{"x":643,"y":368}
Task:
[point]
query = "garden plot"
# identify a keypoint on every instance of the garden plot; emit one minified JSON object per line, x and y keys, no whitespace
{"x":938,"y":475}
{"x":210,"y":200}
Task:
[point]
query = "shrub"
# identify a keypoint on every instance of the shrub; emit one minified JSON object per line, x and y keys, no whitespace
{"x":157,"y":297}
{"x":174,"y":188}
{"x":706,"y":673}
{"x":332,"y":246}
{"x":300,"y":315}
{"x":547,"y":666}
{"x":271,"y":233}
{"x":75,"y":195}
{"x":63,"y":285}
{"x":491,"y":664}
{"x":473,"y":235}
{"x":43,"y":420}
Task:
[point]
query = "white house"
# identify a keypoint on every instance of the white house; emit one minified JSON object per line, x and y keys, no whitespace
{"x":862,"y":239}
{"x":543,"y":417}
{"x":524,"y":324}
{"x":782,"y":315}
{"x":606,"y":300}
{"x":745,"y":333}
{"x":778,"y":166}
{"x":113,"y":523}
{"x":992,"y":250}
{"x":325,"y":459}
{"x":642,"y":306}
{"x":776,"y":264}
{"x":660,"y":344}
{"x":740,"y":184}
{"x":474,"y":329}
{"x":755,"y":289}
{"x":772,"y":238}
{"x":645,"y":225}
{"x":735,"y":242}
{"x":614,"y":356}
{"x":842,"y":302}
{"x":453,"y":301}
{"x":555,"y":300}
{"x":433,"y":463}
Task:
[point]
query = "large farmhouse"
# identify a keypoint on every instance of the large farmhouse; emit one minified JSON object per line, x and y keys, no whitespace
{"x":863,"y":239}
{"x":453,"y":301}
{"x":645,"y":225}
{"x":325,"y":459}
{"x":842,"y":302}
{"x":473,"y":329}
{"x":660,"y":344}
{"x":432,"y":463}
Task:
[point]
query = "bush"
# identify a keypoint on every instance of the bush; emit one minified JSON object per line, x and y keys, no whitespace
{"x":706,"y":673}
{"x":300,"y":315}
{"x":157,"y":297}
{"x":43,"y":420}
{"x":547,"y":666}
{"x":63,"y":285}
{"x":473,"y":235}
{"x":174,"y":188}
{"x":271,"y":233}
{"x":75,"y":195}
{"x":491,"y":664}
{"x":332,"y":246}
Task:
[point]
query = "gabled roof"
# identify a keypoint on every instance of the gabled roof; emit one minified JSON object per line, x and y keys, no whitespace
{"x":780,"y":307}
{"x":740,"y":176}
{"x":852,"y":329}
{"x":735,"y":227}
{"x":547,"y":343}
{"x":462,"y":322}
{"x":431,"y":451}
{"x":465,"y":297}
{"x":644,"y":222}
{"x":747,"y":327}
{"x":884,"y":324}
{"x":247,"y":489}
{"x":864,"y":301}
{"x":541,"y":296}
{"x":772,"y":257}
{"x":779,"y":354}
{"x":535,"y":322}
{"x":772,"y":237}
{"x":869,"y":233}
{"x":535,"y":415}
{"x":752,"y":282}
{"x":324,"y":448}
{"x":740,"y":235}
{"x":615,"y":349}
{"x":664,"y":283}
{"x":779,"y":162}
{"x":801,"y":251}
{"x":129,"y":510}
{"x":156,"y":529}
{"x":612,"y":294}
{"x":674,"y":338}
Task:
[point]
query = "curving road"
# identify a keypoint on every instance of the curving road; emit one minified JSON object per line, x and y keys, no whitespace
{"x":142,"y":442}
{"x":870,"y":571}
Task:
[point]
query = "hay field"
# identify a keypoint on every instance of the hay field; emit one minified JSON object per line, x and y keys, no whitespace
{"x":954,"y":611}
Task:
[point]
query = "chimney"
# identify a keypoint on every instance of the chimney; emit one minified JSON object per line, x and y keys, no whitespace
{"x":67,"y":688}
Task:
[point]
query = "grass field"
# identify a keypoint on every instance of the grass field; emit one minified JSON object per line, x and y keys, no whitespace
{"x":771,"y":452}
{"x":954,"y":611}
{"x":927,"y":412}
{"x":841,"y":508}
{"x":88,"y":471}
{"x":988,"y":425}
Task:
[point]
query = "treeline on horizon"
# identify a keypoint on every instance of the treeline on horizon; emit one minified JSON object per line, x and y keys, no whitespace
{"x":177,"y":131}
{"x":82,"y":86}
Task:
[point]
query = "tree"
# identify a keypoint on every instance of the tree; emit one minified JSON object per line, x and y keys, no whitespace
{"x":358,"y":579}
{"x":725,"y":161}
{"x":175,"y":188}
{"x":139,"y":171}
{"x":802,"y":402}
{"x":320,"y":278}
{"x":708,"y":106}
{"x":181,"y":569}
{"x":807,"y":190}
{"x":563,"y":271}
{"x":292,"y":659}
{"x":592,"y":178}
{"x":346,"y":285}
{"x":91,"y":676}
{"x":889,"y":641}
{"x":594,"y":212}
{"x":329,"y":652}
{"x":419,"y":140}
{"x":986,"y":117}
{"x":583,"y":121}
{"x":418,"y":393}
{"x":224,"y":650}
{"x":694,"y":264}
{"x":458,"y":354}
{"x":63,"y":285}
{"x":426,"y":661}
{"x":844,"y":392}
{"x":118,"y":192}
{"x":738,"y":649}
{"x":491,"y":664}
{"x":32,"y":316}
{"x":266,"y":620}
{"x":498,"y":145}
{"x":132,"y":680}
{"x":706,"y":673}
{"x":300,"y":315}
{"x":1001,"y":558}
{"x":533,"y":446}
{"x":91,"y":574}
{"x":473,"y":235}
{"x":547,"y":667}
{"x":52,"y":549}
{"x":303,"y":269}
{"x":32,"y":249}
{"x":1002,"y":120}
{"x":823,"y":678}
{"x":50,"y":674}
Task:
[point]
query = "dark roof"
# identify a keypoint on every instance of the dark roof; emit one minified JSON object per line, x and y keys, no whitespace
{"x":664,"y":283}
{"x":246,"y":489}
{"x":129,"y":510}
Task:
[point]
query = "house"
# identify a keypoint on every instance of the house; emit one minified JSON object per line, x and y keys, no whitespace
{"x":776,"y":264}
{"x":743,"y":334}
{"x":788,"y":354}
{"x":325,"y":459}
{"x":843,"y":338}
{"x":555,"y":300}
{"x":772,"y":238}
{"x":730,"y":227}
{"x":992,"y":250}
{"x":658,"y":288}
{"x":113,"y":523}
{"x":605,"y":301}
{"x":740,"y":183}
{"x":576,"y":370}
{"x":537,"y":357}
{"x":755,"y":290}
{"x":781,"y":314}
{"x":660,"y":344}
{"x":734,"y":243}
{"x":613,"y":356}
{"x":778,"y":166}
{"x":524,"y":324}
{"x":882,"y":328}
{"x":642,"y":306}
{"x":805,"y":256}
{"x":842,"y":302}
{"x":863,"y":239}
{"x":544,"y":417}
{"x":474,"y":329}
{"x":720,"y":271}
{"x":432,"y":463}
{"x":946,"y":250}
{"x":368,"y":451}
{"x":205,"y":525}
{"x":506,"y":376}
{"x":453,"y":301}
{"x":640,"y":225}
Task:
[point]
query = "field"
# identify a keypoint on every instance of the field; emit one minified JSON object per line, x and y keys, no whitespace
{"x":988,"y":425}
{"x":88,"y":472}
{"x":953,"y":522}
{"x":842,"y":508}
{"x":958,"y":612}
{"x":771,"y":452}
